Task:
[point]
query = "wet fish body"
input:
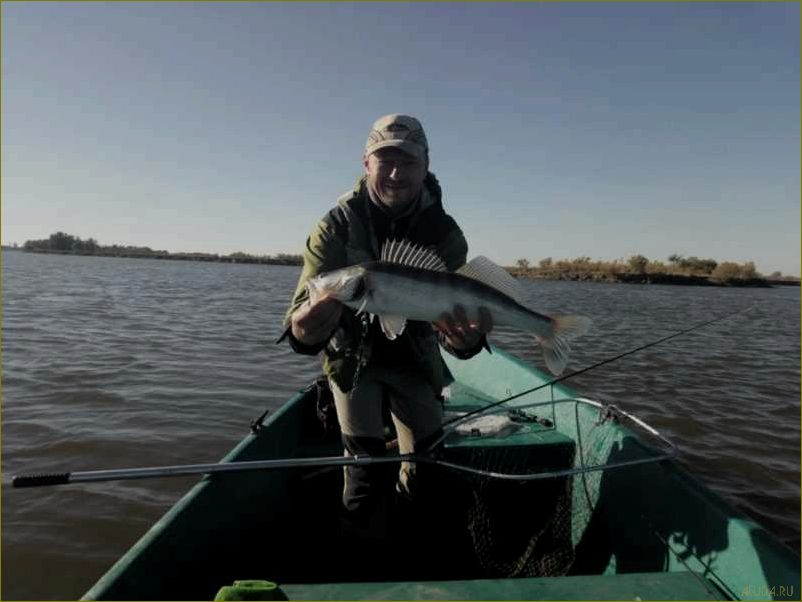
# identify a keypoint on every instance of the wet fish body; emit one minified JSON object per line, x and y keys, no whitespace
{"x":425,"y":295}
{"x":411,"y":283}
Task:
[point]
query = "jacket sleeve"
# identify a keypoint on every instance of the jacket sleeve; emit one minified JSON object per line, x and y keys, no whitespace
{"x":324,"y":252}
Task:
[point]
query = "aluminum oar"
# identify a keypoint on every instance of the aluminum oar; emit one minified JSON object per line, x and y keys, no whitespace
{"x":487,"y":471}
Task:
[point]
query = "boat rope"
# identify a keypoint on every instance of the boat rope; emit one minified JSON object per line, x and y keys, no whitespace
{"x":593,"y":367}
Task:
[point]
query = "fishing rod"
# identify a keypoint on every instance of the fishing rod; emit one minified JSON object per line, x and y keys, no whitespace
{"x":562,"y":378}
{"x":63,"y":478}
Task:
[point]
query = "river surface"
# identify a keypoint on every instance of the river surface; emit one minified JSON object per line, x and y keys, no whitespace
{"x":114,"y":363}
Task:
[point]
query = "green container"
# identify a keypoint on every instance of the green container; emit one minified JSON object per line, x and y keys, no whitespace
{"x":250,"y":590}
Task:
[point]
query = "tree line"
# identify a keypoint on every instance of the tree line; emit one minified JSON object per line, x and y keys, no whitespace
{"x":641,"y":268}
{"x":636,"y":268}
{"x":63,"y":243}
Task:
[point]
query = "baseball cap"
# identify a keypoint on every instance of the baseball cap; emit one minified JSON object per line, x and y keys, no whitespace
{"x":399,"y":131}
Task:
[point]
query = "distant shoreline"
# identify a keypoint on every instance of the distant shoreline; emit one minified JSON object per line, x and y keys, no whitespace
{"x":653,"y":278}
{"x":295,"y":260}
{"x":517,"y":272}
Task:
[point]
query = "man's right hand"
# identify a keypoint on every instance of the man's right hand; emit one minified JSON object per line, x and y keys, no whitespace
{"x":313,"y":324}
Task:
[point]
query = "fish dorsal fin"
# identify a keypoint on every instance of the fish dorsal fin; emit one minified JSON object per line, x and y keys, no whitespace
{"x":415,"y":256}
{"x":485,"y":271}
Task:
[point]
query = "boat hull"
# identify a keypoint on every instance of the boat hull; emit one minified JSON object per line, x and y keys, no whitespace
{"x":648,"y":530}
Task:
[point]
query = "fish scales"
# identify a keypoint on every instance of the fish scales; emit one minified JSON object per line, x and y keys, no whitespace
{"x":421,"y":294}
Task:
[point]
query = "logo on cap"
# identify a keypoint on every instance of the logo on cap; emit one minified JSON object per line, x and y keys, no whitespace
{"x":397,"y":127}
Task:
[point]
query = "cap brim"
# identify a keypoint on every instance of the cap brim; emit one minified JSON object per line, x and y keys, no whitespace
{"x":416,"y":150}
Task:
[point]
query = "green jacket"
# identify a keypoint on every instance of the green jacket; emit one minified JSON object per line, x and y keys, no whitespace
{"x":353,"y":232}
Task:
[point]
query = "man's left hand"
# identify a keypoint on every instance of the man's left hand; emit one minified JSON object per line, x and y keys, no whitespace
{"x":461,"y":332}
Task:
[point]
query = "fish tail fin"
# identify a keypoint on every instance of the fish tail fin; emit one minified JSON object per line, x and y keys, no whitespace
{"x":555,"y":346}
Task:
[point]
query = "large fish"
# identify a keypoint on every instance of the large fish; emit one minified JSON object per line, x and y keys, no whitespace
{"x":412,"y":283}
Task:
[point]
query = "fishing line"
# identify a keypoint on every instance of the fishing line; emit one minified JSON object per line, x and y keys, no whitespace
{"x":594,"y":366}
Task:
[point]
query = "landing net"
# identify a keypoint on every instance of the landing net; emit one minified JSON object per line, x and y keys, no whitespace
{"x":534,"y":475}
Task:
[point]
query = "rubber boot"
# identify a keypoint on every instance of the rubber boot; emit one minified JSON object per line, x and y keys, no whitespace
{"x":420,"y":513}
{"x":364,"y":522}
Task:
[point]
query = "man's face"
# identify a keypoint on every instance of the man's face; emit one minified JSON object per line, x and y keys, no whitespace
{"x":395,"y":177}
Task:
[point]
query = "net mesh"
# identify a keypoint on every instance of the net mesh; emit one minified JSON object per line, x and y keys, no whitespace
{"x":531,"y":528}
{"x":532,"y":544}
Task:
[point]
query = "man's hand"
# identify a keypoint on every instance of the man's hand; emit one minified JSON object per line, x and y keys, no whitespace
{"x":462,"y":333}
{"x":312,"y":324}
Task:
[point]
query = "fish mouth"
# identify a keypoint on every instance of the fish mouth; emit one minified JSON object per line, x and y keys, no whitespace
{"x":346,"y":285}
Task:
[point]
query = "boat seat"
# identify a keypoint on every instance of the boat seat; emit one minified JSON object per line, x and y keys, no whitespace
{"x":533,"y":449}
{"x":511,"y":447}
{"x":628,"y":586}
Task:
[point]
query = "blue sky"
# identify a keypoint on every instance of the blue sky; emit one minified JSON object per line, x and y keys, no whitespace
{"x":556,"y":129}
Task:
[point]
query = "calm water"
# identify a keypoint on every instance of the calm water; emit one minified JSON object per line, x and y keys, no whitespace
{"x":112,"y":363}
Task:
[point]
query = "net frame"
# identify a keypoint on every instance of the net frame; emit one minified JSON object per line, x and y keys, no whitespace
{"x":606,"y":412}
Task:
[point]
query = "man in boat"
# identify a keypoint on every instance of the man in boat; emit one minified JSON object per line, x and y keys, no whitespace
{"x":397,"y":198}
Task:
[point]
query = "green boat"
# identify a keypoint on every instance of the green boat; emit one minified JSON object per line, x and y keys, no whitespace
{"x":549,"y":496}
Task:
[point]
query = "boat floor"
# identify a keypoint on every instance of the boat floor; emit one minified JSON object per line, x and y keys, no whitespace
{"x":432,"y":560}
{"x":424,"y":540}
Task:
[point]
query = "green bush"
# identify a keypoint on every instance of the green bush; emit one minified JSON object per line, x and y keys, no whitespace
{"x":728,"y":271}
{"x":638,"y":264}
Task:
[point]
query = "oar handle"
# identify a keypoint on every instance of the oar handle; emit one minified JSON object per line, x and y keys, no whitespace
{"x":41,"y":480}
